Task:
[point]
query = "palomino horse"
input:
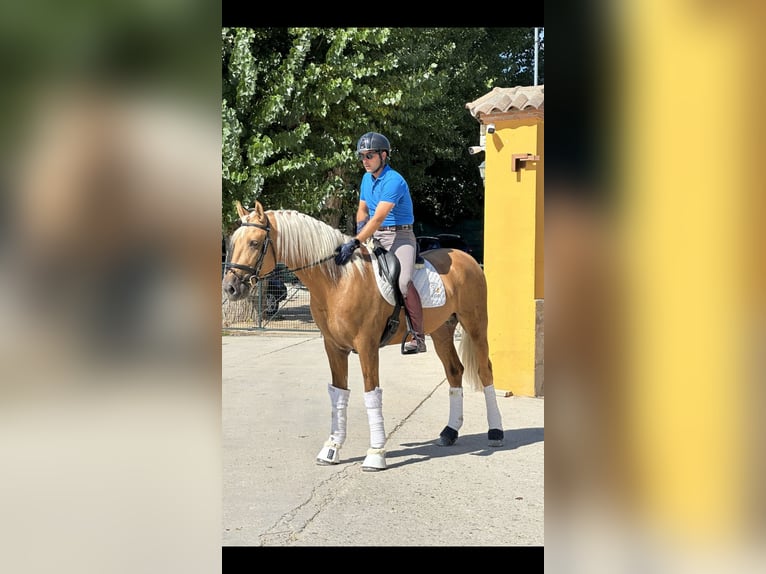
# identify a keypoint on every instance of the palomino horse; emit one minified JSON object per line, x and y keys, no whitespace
{"x":352,"y":315}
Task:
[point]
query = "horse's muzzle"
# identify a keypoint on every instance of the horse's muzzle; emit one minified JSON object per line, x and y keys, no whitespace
{"x":234,"y":287}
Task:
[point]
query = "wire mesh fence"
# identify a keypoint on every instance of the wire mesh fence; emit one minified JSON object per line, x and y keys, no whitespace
{"x":280,"y":303}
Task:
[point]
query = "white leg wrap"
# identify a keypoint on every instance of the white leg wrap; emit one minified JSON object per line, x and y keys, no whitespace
{"x":330,"y":452}
{"x":374,"y":403}
{"x":493,"y":412}
{"x":339,"y":402}
{"x":455,"y":408}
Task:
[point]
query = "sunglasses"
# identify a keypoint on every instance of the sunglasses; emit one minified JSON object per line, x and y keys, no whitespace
{"x":368,"y":155}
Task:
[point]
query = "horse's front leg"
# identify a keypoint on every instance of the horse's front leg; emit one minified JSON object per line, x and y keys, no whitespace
{"x":339,"y":393}
{"x":373,"y":401}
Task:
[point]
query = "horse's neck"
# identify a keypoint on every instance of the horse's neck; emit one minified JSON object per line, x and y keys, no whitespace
{"x":307,"y":248}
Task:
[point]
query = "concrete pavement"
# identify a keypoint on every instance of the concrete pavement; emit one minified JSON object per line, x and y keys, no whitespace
{"x":276,"y":416}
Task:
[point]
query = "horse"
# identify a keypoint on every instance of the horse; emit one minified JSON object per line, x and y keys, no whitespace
{"x":352,"y":314}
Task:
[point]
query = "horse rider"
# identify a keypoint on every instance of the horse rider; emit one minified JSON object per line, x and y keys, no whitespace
{"x":385,"y":212}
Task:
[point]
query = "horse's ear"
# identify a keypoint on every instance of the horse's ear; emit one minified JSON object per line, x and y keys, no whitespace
{"x":241,"y":210}
{"x":258,"y":211}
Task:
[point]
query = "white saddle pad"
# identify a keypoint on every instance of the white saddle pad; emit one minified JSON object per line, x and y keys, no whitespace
{"x":426,"y":280}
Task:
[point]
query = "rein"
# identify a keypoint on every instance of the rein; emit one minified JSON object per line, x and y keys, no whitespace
{"x":253,"y":273}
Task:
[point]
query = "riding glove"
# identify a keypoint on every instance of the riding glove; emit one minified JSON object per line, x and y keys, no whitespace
{"x":345,"y":251}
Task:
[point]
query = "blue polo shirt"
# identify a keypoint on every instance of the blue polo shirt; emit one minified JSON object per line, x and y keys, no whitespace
{"x":389,"y":186}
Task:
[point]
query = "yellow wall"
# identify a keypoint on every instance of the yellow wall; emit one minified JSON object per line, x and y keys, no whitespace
{"x":688,"y":329}
{"x":513,"y":251}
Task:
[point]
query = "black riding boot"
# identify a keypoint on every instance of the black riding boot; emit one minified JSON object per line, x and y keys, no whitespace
{"x":418,"y":342}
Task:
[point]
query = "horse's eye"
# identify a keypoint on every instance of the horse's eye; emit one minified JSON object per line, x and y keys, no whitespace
{"x":253,"y":244}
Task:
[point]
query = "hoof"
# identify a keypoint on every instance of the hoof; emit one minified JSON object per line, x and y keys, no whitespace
{"x":447,"y":437}
{"x":330,"y":454}
{"x":495,"y":437}
{"x":375,"y":460}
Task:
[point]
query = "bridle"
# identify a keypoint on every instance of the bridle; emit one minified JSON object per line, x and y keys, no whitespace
{"x":254,"y":273}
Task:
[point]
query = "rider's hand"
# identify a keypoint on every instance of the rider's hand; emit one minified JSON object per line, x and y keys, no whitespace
{"x":345,"y":251}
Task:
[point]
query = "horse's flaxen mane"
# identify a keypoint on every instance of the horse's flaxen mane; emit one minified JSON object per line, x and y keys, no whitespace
{"x":302,"y":240}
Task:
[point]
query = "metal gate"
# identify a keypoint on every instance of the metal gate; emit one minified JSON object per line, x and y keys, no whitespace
{"x":279,"y":304}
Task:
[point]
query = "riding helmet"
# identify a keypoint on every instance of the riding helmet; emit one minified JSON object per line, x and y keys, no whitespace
{"x":373,"y":141}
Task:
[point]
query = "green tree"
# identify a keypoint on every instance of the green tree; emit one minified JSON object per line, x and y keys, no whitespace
{"x":295,"y":100}
{"x":443,"y":69}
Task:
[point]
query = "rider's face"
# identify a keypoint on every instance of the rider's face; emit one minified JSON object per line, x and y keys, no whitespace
{"x":372,"y":161}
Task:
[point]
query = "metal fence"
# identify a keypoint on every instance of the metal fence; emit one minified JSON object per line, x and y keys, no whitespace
{"x":279,"y":304}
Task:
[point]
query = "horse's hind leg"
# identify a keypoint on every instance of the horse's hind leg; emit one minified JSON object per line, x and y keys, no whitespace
{"x":444,"y":345}
{"x":495,"y":434}
{"x":478,"y":367}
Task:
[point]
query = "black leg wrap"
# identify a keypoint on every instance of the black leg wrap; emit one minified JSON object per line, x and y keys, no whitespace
{"x":495,"y":437}
{"x":447,"y":437}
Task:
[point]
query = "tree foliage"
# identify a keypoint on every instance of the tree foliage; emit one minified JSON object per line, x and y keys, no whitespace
{"x":295,"y":101}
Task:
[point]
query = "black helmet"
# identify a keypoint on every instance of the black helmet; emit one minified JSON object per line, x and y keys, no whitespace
{"x":373,"y":141}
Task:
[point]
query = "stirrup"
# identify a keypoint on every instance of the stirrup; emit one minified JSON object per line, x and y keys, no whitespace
{"x":416,"y":345}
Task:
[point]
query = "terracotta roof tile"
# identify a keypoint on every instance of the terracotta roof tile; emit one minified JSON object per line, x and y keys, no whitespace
{"x":501,"y":100}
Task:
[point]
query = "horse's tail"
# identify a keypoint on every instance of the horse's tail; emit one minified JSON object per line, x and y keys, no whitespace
{"x":470,"y":364}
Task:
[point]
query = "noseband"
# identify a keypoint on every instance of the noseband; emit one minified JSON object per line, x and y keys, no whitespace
{"x":253,"y":273}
